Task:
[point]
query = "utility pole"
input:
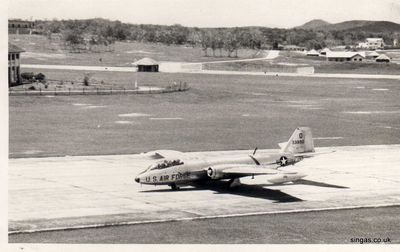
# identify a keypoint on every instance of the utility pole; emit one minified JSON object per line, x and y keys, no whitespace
{"x":136,"y":78}
{"x":136,"y":75}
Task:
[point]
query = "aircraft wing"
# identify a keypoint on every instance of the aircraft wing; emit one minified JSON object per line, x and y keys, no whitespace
{"x":277,"y":176}
{"x":249,"y":171}
{"x":236,"y":171}
{"x":312,"y":154}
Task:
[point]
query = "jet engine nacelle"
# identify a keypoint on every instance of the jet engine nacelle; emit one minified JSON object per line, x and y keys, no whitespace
{"x":214,"y":173}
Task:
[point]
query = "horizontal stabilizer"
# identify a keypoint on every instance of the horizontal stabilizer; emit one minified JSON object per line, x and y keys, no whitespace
{"x":312,"y":154}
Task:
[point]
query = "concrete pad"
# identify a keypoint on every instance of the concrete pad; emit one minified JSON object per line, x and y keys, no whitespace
{"x":87,"y":191}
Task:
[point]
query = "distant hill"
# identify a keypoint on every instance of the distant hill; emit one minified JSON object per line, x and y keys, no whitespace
{"x":374,"y":26}
{"x":354,"y":25}
{"x":314,"y":24}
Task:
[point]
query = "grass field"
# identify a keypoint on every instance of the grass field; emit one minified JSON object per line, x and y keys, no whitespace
{"x":218,"y":113}
{"x":253,"y":66}
{"x":40,"y":50}
{"x":364,"y":68}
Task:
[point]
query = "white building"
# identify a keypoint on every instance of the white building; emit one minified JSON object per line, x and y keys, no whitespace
{"x":382,"y":58}
{"x":14,"y":72}
{"x":312,"y":52}
{"x":372,"y":43}
{"x":325,"y":51}
{"x":372,"y":55}
{"x":345,"y":56}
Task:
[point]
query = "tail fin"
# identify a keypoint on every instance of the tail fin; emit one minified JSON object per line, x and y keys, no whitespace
{"x":301,"y":141}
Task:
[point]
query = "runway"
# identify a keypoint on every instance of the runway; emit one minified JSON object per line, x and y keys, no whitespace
{"x":74,"y":192}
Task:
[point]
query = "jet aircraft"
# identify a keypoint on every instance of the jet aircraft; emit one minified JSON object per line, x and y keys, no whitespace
{"x":176,"y":169}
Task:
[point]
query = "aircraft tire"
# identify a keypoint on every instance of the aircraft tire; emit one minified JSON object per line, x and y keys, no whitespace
{"x":174,"y":187}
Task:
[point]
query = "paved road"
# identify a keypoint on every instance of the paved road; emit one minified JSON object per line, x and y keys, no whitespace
{"x":176,"y":67}
{"x":92,"y":91}
{"x":340,"y":226}
{"x":81,"y":68}
{"x":315,"y":75}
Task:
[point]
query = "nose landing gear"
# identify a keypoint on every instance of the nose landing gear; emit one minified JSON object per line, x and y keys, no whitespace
{"x":174,"y":187}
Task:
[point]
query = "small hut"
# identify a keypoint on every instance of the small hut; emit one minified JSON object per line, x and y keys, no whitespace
{"x":325,"y":51}
{"x":147,"y":65}
{"x":382,"y":58}
{"x":312,"y":52}
{"x":372,"y":55}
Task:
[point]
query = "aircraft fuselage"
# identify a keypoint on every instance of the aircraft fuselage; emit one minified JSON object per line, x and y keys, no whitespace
{"x":195,"y":169}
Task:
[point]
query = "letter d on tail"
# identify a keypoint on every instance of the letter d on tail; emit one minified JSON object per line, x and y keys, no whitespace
{"x":301,"y":141}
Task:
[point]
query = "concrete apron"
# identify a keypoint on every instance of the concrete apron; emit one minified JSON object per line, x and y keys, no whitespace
{"x":92,"y":191}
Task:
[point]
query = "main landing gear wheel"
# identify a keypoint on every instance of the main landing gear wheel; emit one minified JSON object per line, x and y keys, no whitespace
{"x":233,"y":183}
{"x":174,"y":187}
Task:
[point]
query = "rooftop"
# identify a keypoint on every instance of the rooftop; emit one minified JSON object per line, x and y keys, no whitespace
{"x":373,"y":53}
{"x":344,"y":54}
{"x":374,"y":39}
{"x":383,"y":57}
{"x":326,"y":49}
{"x":312,"y":52}
{"x":146,"y":62}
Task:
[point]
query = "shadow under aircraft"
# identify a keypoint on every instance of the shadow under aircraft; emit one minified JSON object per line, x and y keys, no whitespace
{"x":316,"y":183}
{"x":222,"y":187}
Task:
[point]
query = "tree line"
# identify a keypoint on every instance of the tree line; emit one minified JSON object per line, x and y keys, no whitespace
{"x":95,"y":32}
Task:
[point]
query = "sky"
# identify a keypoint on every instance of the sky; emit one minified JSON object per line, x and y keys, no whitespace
{"x":209,"y":13}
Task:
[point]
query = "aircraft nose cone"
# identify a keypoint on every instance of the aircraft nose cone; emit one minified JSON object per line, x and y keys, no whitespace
{"x":137,"y":180}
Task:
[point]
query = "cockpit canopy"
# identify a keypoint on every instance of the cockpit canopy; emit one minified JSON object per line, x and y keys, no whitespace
{"x":164,"y":164}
